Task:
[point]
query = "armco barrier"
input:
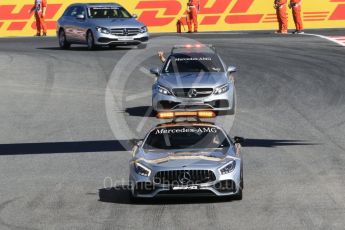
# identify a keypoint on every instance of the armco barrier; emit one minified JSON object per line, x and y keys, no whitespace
{"x":161,"y":15}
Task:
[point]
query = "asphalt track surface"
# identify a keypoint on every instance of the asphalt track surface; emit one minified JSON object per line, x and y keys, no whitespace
{"x":64,"y":123}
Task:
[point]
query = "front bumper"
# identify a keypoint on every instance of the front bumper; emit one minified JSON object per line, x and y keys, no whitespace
{"x":221,"y":102}
{"x":224,"y":185}
{"x":109,"y":39}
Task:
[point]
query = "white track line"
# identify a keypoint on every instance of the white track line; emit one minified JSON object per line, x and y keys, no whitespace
{"x":216,"y":33}
{"x":327,"y":38}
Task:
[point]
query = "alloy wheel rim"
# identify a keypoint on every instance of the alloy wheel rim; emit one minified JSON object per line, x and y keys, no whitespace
{"x":90,"y":40}
{"x":62,"y":39}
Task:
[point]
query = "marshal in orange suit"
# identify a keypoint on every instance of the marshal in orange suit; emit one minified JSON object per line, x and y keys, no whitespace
{"x":39,"y":8}
{"x":295,"y":5}
{"x":193,"y":8}
{"x":280,"y":6}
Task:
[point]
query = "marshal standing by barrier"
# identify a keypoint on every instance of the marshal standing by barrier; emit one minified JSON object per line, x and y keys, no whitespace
{"x":295,"y":5}
{"x":280,"y":6}
{"x":193,"y":9}
{"x":40,"y":9}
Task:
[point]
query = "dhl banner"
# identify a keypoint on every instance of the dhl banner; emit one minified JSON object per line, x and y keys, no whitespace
{"x":161,"y":15}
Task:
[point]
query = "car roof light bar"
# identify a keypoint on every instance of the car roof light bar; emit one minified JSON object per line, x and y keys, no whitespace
{"x":191,"y":46}
{"x":198,"y":114}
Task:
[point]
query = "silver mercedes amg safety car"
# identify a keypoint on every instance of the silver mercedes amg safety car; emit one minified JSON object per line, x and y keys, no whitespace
{"x":186,"y":158}
{"x":194,"y":77}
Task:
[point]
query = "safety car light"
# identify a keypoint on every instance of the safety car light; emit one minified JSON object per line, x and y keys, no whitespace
{"x":221,"y":89}
{"x":163,"y":90}
{"x":201,"y":114}
{"x":228,"y":168}
{"x":206,"y":114}
{"x":142,"y":170}
{"x":165,"y":115}
{"x":103,"y":30}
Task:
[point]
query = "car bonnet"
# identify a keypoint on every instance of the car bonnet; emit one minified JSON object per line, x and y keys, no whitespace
{"x":183,"y":158}
{"x":117,"y":23}
{"x":189,"y":80}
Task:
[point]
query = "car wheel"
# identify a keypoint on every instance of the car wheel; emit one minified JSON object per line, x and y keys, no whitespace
{"x":90,"y":40}
{"x":63,"y":41}
{"x":142,"y":46}
{"x":132,"y":198}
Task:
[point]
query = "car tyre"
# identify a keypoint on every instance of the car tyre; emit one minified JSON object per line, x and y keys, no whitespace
{"x":133,"y":199}
{"x":90,"y":40}
{"x":63,"y":40}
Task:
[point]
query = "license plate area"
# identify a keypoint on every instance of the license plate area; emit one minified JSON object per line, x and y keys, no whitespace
{"x":125,"y":38}
{"x":186,"y":187}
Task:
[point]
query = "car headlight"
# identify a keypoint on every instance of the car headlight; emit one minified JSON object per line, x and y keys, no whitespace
{"x":143,"y":29}
{"x":228,"y":168}
{"x":163,"y":90}
{"x":142,"y":170}
{"x":103,"y":30}
{"x":221,"y":89}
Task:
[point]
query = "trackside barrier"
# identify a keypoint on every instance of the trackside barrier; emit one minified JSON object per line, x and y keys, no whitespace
{"x":161,"y":15}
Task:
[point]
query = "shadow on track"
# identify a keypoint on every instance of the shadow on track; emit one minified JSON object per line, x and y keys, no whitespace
{"x":121,"y":195}
{"x":147,"y":111}
{"x":84,"y":48}
{"x":63,"y":147}
{"x":140,"y":111}
{"x":271,"y":143}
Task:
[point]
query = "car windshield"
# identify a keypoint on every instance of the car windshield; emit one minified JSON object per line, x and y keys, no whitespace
{"x":186,"y":137}
{"x":193,"y":62}
{"x":108,"y":12}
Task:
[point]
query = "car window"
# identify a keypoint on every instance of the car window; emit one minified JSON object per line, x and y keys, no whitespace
{"x":186,"y":137}
{"x":193,"y":62}
{"x":81,"y":10}
{"x":108,"y":12}
{"x":72,"y":11}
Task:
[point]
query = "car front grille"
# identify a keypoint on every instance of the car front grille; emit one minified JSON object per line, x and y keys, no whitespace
{"x":192,"y":92}
{"x":125,"y":31}
{"x":184,"y":177}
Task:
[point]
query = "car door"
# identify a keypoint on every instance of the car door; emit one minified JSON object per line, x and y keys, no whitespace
{"x":69,"y":23}
{"x":81,"y":25}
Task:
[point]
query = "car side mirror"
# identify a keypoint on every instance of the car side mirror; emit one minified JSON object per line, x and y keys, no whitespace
{"x":136,"y":142}
{"x":80,"y":16}
{"x":232,"y":69}
{"x":155,"y":71}
{"x":134,"y":15}
{"x":239,"y":140}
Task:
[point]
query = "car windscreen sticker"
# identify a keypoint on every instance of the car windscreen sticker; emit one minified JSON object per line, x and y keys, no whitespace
{"x":167,"y":65}
{"x":186,"y":130}
{"x":193,"y":59}
{"x":104,"y":8}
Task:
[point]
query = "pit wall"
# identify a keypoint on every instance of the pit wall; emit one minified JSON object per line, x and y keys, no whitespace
{"x":161,"y":15}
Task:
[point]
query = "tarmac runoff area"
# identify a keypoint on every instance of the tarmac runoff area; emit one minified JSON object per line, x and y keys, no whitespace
{"x":67,"y":117}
